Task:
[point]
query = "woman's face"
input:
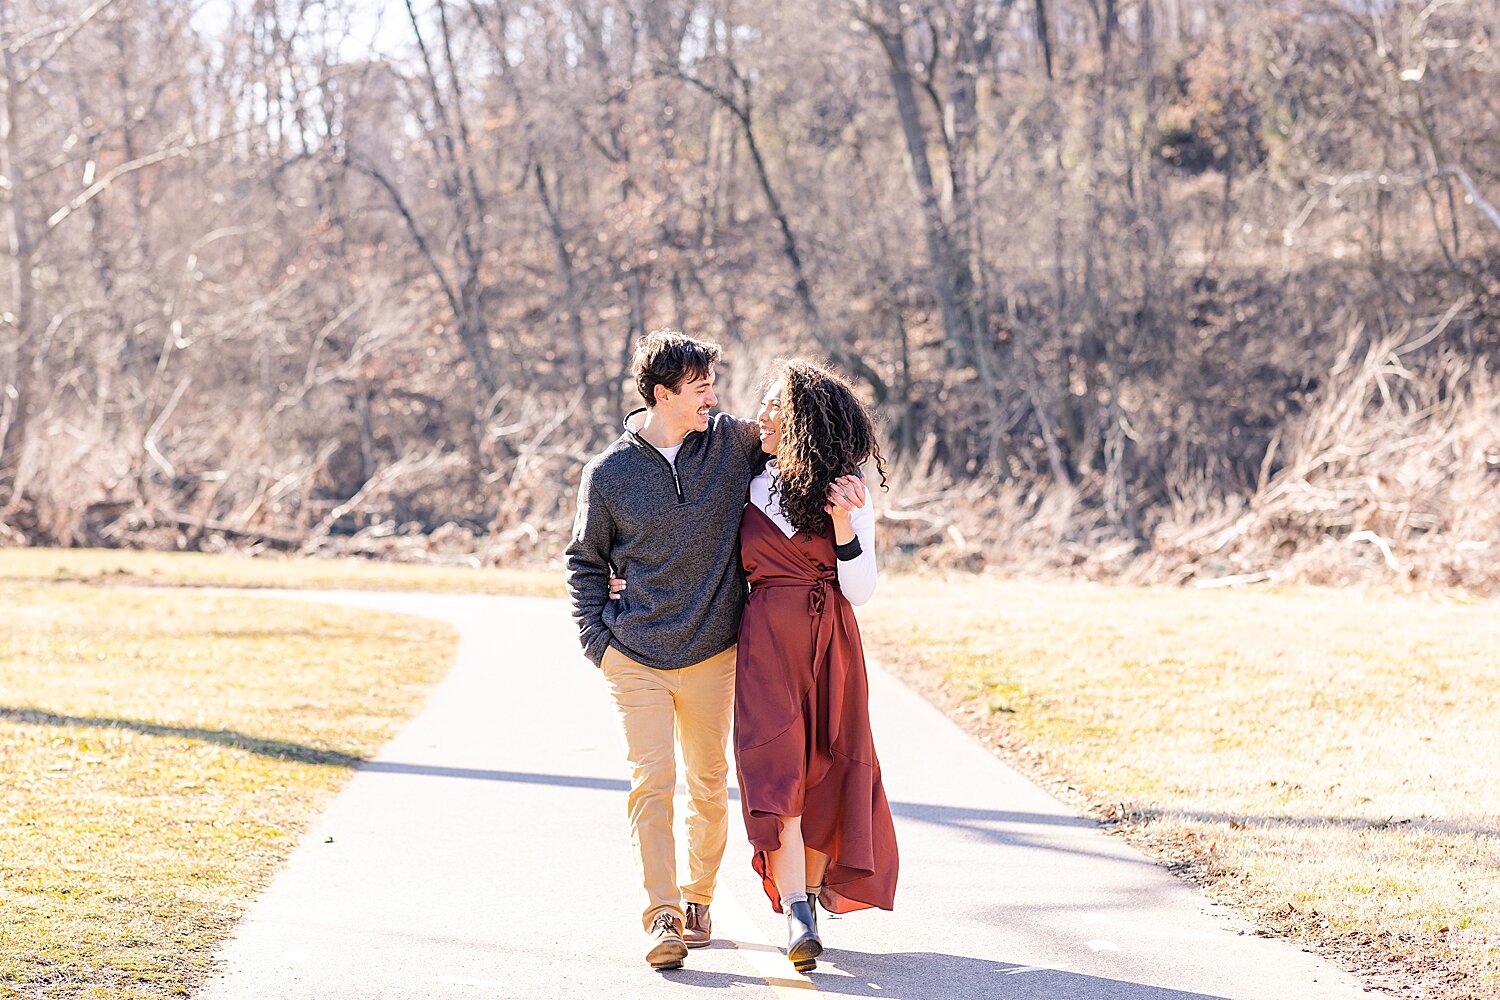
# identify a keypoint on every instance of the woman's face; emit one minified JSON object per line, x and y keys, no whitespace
{"x":769,"y":419}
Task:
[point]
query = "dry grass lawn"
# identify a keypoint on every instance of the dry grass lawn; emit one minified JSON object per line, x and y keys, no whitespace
{"x":1327,"y":760}
{"x":161,"y":751}
{"x":138,"y":569}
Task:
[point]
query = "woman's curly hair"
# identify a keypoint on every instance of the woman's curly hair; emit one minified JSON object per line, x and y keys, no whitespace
{"x":826,"y":432}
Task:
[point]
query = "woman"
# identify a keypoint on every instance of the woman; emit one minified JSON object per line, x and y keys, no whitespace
{"x":810,"y":788}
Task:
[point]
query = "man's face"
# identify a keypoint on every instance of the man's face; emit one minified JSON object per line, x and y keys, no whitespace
{"x":688,"y":408}
{"x":769,"y":419}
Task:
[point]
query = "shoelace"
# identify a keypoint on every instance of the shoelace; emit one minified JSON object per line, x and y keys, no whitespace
{"x":666,"y":922}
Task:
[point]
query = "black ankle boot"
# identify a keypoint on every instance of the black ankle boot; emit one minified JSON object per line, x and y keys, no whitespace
{"x":802,"y":944}
{"x":806,"y":965}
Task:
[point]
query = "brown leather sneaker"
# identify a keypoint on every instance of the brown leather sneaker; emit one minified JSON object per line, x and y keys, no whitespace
{"x":667,"y":947}
{"x":699,"y":930}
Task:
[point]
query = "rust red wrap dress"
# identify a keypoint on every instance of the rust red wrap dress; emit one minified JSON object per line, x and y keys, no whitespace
{"x":801,"y":719}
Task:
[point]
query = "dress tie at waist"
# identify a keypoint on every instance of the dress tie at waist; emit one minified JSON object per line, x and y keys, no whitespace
{"x":817,"y":589}
{"x":817,"y":603}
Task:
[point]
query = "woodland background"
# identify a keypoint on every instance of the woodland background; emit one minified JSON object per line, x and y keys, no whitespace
{"x":1177,"y":290}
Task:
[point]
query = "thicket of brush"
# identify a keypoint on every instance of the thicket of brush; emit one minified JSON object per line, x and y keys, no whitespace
{"x":1158,"y":289}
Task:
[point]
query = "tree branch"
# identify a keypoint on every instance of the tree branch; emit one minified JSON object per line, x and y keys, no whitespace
{"x":60,"y":216}
{"x":800,"y":283}
{"x":1340,"y":181}
{"x":1489,"y":210}
{"x":63,"y":36}
{"x":423,"y":247}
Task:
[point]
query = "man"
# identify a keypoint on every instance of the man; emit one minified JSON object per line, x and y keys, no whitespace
{"x":661,"y":507}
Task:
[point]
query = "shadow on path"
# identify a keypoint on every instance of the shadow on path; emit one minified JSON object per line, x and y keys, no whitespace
{"x":919,"y":811}
{"x":973,"y":820}
{"x":520,"y":777}
{"x":916,"y":975}
{"x":279,"y":749}
{"x":980,"y":822}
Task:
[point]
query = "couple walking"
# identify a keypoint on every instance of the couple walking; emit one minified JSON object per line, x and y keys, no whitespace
{"x":674,"y":520}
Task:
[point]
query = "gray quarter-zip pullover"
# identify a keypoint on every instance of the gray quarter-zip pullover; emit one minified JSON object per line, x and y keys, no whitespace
{"x":671,"y":531}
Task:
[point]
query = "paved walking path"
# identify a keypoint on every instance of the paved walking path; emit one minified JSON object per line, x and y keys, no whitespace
{"x":485,"y":854}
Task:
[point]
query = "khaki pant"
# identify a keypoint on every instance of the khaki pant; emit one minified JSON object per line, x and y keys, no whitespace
{"x":696,"y":705}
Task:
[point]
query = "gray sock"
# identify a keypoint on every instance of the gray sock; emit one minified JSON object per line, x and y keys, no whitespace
{"x":790,"y":898}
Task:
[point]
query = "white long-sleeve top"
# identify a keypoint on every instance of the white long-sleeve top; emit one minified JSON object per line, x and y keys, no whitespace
{"x":857,"y":575}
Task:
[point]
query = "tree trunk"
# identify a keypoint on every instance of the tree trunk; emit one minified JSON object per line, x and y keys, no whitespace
{"x":565,"y":265}
{"x":15,"y":407}
{"x":940,"y":254}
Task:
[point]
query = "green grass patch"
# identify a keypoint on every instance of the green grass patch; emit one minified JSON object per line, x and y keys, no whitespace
{"x":162,"y":752}
{"x":1324,"y":759}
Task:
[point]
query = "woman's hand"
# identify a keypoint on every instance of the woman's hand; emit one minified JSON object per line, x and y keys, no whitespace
{"x":845,"y":495}
{"x":616,"y":587}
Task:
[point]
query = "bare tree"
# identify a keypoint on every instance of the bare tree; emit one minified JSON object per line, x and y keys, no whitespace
{"x":262,"y":286}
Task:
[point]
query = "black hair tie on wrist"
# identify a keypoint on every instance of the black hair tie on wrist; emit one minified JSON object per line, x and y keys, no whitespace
{"x":849,"y":550}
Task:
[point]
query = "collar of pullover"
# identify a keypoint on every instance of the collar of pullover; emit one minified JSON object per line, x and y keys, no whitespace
{"x":635,"y":435}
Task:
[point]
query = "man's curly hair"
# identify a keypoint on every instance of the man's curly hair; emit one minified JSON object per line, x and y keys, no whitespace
{"x":826,"y":432}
